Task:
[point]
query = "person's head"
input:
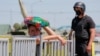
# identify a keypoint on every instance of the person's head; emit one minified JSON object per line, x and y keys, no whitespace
{"x":33,"y":30}
{"x":79,"y":8}
{"x":34,"y":24}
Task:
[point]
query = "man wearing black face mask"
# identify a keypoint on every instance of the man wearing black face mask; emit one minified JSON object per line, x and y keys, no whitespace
{"x":84,"y":28}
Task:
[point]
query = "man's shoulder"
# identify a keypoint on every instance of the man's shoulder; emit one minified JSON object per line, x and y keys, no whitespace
{"x":88,"y":17}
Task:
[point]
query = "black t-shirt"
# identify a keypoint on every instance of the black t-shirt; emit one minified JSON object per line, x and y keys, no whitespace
{"x":82,"y":26}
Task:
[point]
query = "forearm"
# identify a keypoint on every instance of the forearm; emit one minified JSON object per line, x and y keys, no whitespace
{"x":50,"y":37}
{"x":92,"y":36}
{"x":54,"y":37}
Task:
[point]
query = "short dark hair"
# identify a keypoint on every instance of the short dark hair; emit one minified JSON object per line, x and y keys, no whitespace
{"x":29,"y":25}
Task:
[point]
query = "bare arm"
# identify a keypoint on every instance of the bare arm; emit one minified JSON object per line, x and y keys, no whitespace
{"x":92,"y":35}
{"x":49,"y":31}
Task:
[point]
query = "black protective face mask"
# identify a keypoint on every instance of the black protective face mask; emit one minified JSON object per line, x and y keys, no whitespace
{"x":78,"y":13}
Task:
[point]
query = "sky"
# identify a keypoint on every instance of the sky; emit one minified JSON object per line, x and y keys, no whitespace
{"x":57,"y":12}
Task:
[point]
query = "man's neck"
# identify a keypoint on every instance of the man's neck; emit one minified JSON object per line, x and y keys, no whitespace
{"x":81,"y":16}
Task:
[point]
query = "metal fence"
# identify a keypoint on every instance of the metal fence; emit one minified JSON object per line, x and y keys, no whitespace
{"x":55,"y":48}
{"x":4,"y":50}
{"x":25,"y":46}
